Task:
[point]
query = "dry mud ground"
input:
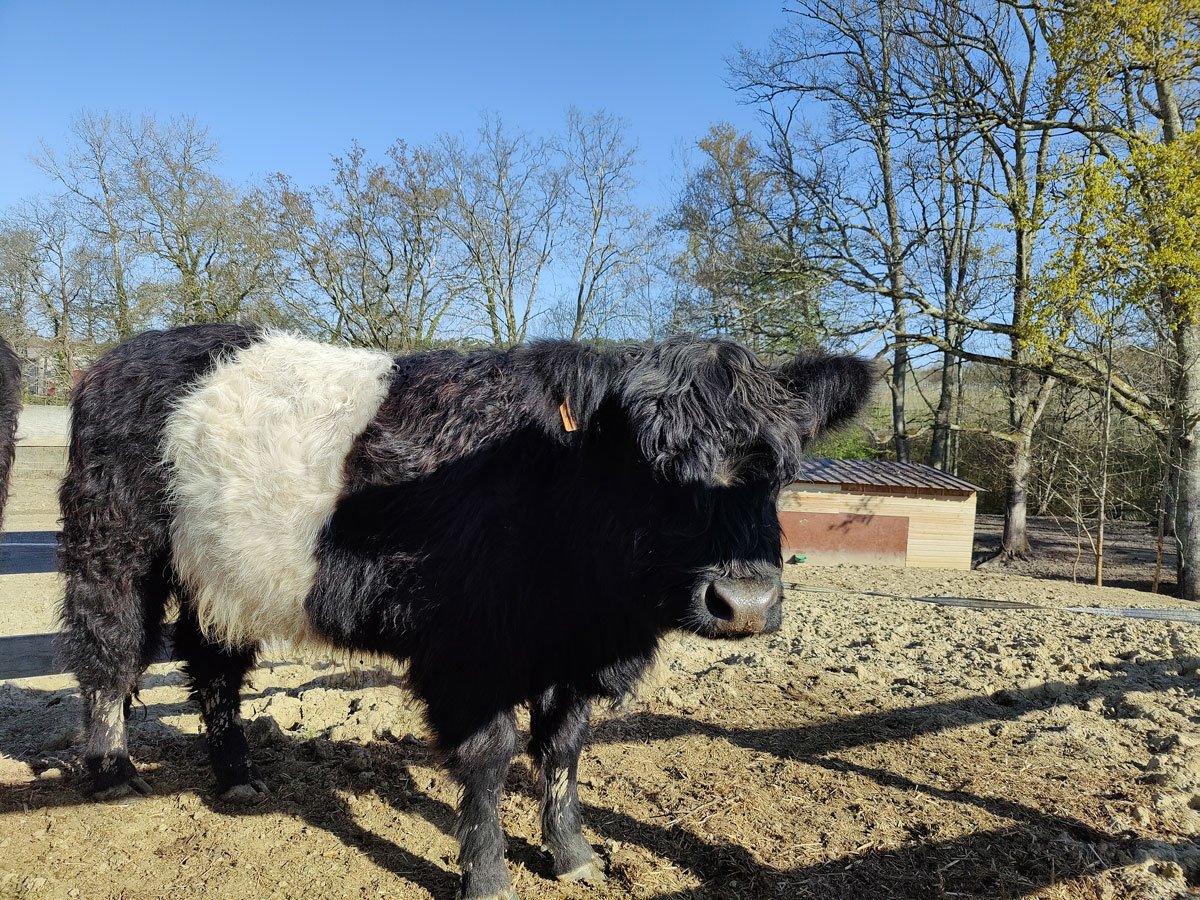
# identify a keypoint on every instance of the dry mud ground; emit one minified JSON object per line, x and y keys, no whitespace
{"x":876,"y":747}
{"x":1061,"y":552}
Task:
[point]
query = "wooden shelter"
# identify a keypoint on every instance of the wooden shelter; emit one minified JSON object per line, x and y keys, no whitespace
{"x":878,"y":513}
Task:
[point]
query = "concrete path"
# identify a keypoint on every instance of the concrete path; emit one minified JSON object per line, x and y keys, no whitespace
{"x":44,"y":425}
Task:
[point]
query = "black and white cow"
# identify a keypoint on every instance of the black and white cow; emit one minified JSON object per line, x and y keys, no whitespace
{"x":10,"y":411}
{"x":521,"y":526}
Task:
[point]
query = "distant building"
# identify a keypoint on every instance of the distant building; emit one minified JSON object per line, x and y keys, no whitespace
{"x":40,"y":367}
{"x":878,"y":513}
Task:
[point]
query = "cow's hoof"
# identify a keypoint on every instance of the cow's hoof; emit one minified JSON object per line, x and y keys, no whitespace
{"x":135,"y":785}
{"x":113,"y":776}
{"x":246,"y":794}
{"x":591,"y":872}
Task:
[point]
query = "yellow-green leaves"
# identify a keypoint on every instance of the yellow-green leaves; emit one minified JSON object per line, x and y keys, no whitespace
{"x":1128,"y":219}
{"x":1096,"y":42}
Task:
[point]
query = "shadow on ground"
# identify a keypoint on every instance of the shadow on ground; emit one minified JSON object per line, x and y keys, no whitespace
{"x":1039,"y":849}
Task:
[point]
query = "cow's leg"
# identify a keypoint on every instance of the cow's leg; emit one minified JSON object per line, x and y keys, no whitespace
{"x":558,"y":724}
{"x":106,"y":751}
{"x":215,"y":675}
{"x":111,"y":624}
{"x":480,"y":762}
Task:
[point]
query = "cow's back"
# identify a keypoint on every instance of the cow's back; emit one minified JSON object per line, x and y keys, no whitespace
{"x":118,"y":412}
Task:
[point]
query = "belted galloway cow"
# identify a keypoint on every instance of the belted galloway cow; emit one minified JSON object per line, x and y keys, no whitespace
{"x":520,"y":526}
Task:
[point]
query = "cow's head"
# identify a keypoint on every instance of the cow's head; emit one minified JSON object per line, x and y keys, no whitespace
{"x":706,"y":435}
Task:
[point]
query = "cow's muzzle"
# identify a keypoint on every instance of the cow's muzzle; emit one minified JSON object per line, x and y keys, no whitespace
{"x":735,"y":607}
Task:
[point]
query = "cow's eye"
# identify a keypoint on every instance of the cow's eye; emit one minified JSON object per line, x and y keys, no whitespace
{"x":700,"y":507}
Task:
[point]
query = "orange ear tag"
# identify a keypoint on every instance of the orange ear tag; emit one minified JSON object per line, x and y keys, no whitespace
{"x":568,"y":420}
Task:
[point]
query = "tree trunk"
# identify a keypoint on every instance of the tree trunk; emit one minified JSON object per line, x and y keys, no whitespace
{"x":899,"y":386}
{"x":943,"y":416}
{"x":955,"y":434}
{"x":1105,"y":453}
{"x":897,"y":280}
{"x":1027,"y":407}
{"x":1187,"y":504}
{"x":122,"y":319}
{"x":1187,"y":398}
{"x":1015,"y":543}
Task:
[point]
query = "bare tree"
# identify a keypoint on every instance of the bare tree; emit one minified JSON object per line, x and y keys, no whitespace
{"x":17,"y":296}
{"x":847,"y":55}
{"x":505,"y":205}
{"x":650,"y":295}
{"x":366,"y":258}
{"x":742,"y":268}
{"x":1004,"y":94}
{"x":948,"y":171}
{"x":206,"y":239}
{"x":605,"y":232}
{"x":101,"y":191}
{"x":47,"y":263}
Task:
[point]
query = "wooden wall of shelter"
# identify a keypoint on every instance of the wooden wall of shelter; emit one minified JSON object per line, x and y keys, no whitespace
{"x":878,"y":513}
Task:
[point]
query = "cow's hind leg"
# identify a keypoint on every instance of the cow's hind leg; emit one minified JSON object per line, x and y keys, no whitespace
{"x":558,"y":724}
{"x":111,"y":625}
{"x":106,"y":752}
{"x":216,"y":674}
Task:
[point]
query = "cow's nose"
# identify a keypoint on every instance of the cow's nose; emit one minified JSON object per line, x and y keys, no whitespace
{"x":742,"y":605}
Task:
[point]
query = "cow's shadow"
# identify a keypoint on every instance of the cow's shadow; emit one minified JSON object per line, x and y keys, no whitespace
{"x":1015,"y":859}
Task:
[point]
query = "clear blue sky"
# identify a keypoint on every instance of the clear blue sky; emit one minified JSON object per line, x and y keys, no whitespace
{"x":282,"y":86}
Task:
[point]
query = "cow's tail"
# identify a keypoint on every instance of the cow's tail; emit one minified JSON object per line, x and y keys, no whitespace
{"x":10,"y":410}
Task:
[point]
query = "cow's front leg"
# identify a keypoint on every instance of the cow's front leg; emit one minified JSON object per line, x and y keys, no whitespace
{"x":558,"y":724}
{"x":216,"y":673}
{"x":480,"y":764}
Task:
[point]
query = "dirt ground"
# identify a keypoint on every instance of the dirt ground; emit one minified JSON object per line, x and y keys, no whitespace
{"x":876,"y":747}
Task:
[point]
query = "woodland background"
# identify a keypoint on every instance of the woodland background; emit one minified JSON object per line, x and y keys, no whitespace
{"x":1000,"y":198}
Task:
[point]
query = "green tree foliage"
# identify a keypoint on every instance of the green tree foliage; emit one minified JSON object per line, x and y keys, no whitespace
{"x":1129,"y":221}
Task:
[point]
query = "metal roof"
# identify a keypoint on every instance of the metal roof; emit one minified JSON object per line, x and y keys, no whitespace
{"x":877,"y":474}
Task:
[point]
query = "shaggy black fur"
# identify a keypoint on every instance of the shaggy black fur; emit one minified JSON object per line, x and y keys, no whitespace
{"x":508,"y":559}
{"x":10,"y":410}
{"x":115,"y":539}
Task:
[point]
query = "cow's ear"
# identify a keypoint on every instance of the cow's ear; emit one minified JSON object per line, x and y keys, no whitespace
{"x":833,"y":388}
